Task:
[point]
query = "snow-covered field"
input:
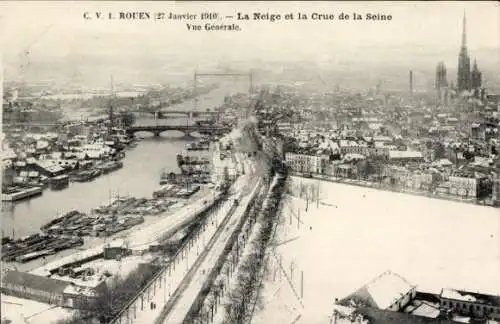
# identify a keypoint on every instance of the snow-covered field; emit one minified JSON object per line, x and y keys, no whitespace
{"x":22,"y":311}
{"x":356,"y":233}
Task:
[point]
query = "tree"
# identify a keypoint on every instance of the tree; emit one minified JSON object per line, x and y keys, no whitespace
{"x":128,"y":119}
{"x":226,"y":180}
{"x":439,"y":150}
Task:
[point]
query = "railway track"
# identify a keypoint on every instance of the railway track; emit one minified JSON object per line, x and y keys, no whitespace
{"x":187,"y":279}
{"x":173,"y":313}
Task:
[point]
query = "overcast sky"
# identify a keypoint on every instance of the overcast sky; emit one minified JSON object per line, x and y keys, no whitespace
{"x":57,"y":29}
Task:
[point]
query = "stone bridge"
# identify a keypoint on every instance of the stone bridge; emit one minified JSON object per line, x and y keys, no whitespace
{"x":183,"y":113}
{"x":186,"y":129}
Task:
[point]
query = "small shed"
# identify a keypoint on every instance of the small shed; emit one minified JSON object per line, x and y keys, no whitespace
{"x":115,"y":249}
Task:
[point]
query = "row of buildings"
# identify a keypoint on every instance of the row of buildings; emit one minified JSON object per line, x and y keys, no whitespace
{"x":394,"y":171}
{"x":31,"y":157}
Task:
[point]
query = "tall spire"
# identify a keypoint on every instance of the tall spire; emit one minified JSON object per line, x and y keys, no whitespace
{"x":463,"y":77}
{"x":464,"y":31}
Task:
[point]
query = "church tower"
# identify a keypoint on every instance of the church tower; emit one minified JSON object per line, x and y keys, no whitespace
{"x":476,"y":77}
{"x":463,"y":77}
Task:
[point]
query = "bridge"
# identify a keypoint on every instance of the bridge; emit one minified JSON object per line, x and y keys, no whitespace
{"x":186,"y":129}
{"x":186,"y":113}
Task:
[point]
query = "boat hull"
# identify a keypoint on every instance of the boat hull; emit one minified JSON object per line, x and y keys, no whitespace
{"x":22,"y":194}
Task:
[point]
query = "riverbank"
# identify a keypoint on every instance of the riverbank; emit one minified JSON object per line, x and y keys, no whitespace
{"x":139,"y":176}
{"x":91,"y":242}
{"x":380,"y":186}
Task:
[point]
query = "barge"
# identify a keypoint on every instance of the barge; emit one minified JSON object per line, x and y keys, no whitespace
{"x":59,"y":182}
{"x":86,"y":175}
{"x":191,"y":160}
{"x":110,"y":166}
{"x":68,"y":217}
{"x":15,"y":194}
{"x":198,"y":146}
{"x":195,"y":169}
{"x":182,"y":179}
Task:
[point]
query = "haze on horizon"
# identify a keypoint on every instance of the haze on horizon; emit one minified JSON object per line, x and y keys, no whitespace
{"x":63,"y":46}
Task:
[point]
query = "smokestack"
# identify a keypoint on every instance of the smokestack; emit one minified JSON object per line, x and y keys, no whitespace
{"x":411,"y":82}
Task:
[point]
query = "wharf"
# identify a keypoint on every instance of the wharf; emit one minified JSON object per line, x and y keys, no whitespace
{"x":140,"y":238}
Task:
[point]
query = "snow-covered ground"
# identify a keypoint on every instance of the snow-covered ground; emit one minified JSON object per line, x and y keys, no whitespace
{"x":173,"y":277}
{"x":121,"y":268}
{"x":230,"y":276}
{"x":188,"y":297}
{"x":24,"y":311}
{"x":356,"y":233}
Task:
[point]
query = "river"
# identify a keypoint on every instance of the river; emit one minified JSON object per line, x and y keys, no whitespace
{"x":138,"y":177}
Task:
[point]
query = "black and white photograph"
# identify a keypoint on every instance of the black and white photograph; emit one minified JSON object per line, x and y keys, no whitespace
{"x":250,"y":162}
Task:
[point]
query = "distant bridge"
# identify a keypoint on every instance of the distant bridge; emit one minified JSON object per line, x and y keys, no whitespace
{"x":190,"y":114}
{"x":187,"y":130}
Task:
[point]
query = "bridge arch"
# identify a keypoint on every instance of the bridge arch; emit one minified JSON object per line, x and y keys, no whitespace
{"x":188,"y":131}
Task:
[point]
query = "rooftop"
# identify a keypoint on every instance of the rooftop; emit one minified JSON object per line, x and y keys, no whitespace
{"x":382,"y":291}
{"x":471,"y":297}
{"x":404,"y":154}
{"x":34,"y":281}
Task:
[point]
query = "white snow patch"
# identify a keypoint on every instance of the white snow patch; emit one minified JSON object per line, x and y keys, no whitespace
{"x":355,"y":233}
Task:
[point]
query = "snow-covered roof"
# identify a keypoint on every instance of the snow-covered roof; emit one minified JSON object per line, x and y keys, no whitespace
{"x":404,"y":154}
{"x":7,"y":164}
{"x":453,"y":294}
{"x":470,"y":297}
{"x":79,"y":290}
{"x":118,"y":243}
{"x":41,"y":144}
{"x":442,"y":162}
{"x":56,"y":155}
{"x":353,"y":156}
{"x":50,"y":165}
{"x":8,"y":154}
{"x":382,"y":139}
{"x":388,"y":288}
{"x":427,"y":310}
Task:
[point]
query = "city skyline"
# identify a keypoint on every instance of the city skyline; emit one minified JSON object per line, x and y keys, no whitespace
{"x":66,"y":39}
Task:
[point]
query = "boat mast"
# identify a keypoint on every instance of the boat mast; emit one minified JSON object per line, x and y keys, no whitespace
{"x":110,"y":105}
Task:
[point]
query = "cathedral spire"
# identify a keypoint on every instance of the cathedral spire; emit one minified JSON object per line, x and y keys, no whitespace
{"x":464,"y":77}
{"x":464,"y":31}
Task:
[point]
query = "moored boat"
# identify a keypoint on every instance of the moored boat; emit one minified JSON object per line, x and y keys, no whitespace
{"x":59,"y":182}
{"x":86,"y":175}
{"x":14,"y":194}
